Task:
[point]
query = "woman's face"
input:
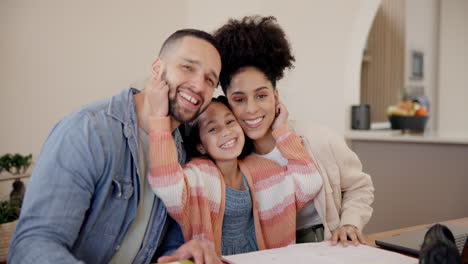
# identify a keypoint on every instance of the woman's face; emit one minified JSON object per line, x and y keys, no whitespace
{"x":220,"y":134}
{"x":253,"y":101}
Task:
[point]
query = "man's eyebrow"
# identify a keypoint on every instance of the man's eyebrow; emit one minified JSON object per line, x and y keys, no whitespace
{"x":192,"y":61}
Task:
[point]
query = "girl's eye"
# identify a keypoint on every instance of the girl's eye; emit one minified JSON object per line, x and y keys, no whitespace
{"x":230,"y":121}
{"x":211,"y":130}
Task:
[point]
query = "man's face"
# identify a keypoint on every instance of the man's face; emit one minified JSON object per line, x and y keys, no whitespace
{"x":191,"y":70}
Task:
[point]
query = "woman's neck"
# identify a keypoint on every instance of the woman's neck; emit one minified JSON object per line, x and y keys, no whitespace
{"x":231,"y":173}
{"x":265,"y":144}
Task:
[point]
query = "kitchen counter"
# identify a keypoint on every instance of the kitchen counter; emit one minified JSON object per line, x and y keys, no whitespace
{"x":418,"y":178}
{"x":398,"y":136}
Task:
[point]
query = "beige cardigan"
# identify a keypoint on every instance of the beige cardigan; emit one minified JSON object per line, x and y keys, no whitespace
{"x":347,"y":192}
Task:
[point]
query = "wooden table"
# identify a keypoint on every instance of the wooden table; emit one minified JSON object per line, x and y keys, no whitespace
{"x":372,"y":237}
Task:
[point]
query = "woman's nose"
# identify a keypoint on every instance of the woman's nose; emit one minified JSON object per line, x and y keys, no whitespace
{"x":251,"y":106}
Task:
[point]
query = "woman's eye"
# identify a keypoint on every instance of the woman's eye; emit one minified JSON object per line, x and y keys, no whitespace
{"x":238,"y":100}
{"x":211,"y":130}
{"x":262,"y":96}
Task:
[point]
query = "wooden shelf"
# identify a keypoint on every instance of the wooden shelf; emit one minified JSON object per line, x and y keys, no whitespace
{"x":7,"y":177}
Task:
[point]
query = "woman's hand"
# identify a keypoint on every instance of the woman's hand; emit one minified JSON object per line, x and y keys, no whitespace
{"x":342,"y":233}
{"x":158,"y":96}
{"x":282,"y":115}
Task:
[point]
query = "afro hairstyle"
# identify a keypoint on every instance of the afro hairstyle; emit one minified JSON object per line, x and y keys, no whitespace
{"x":253,"y":41}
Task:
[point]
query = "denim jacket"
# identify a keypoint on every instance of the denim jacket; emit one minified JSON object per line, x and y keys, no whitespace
{"x":83,"y":194}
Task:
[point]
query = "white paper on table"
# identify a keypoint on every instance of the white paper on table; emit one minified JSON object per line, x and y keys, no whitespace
{"x":322,"y":253}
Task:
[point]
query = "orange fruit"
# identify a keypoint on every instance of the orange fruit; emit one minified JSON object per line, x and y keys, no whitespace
{"x":422,"y":111}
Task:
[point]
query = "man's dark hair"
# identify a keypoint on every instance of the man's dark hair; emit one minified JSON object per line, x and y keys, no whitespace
{"x":179,"y":34}
{"x":253,"y":41}
{"x":193,"y":138}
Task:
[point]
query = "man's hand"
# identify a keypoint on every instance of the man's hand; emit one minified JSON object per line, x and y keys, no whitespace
{"x":158,"y":97}
{"x":282,"y":115}
{"x":346,"y":231}
{"x":202,"y":252}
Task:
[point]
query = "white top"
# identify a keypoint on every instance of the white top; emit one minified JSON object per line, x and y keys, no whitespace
{"x":131,"y":243}
{"x":308,"y":216}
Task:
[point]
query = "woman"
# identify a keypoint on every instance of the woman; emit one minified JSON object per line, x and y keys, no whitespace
{"x":255,"y":53}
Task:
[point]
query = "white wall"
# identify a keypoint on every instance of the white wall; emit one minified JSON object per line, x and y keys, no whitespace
{"x":58,"y":55}
{"x":453,"y":67}
{"x":422,"y":23}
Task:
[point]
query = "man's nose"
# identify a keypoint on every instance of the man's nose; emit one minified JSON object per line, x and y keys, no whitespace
{"x":198,"y":83}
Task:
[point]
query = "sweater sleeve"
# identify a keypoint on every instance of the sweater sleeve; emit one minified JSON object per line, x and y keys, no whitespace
{"x":356,"y":186}
{"x":192,"y":194}
{"x":165,"y":175}
{"x":301,"y":168}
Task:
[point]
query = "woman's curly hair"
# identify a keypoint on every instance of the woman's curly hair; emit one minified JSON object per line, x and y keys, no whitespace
{"x":253,"y":41}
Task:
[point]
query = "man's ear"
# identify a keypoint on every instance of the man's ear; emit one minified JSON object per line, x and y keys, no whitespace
{"x":201,"y":149}
{"x":156,"y":68}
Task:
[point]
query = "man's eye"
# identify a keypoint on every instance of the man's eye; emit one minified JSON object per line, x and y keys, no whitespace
{"x":262,"y":96}
{"x":211,"y":82}
{"x":187,"y":67}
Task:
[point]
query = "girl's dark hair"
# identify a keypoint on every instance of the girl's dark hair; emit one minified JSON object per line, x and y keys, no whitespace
{"x":253,"y":41}
{"x":192,"y":140}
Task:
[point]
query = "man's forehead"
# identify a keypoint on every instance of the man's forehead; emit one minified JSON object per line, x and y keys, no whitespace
{"x":198,"y":50}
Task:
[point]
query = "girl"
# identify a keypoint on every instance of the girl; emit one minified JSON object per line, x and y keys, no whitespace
{"x":254,"y":54}
{"x":238,"y":205}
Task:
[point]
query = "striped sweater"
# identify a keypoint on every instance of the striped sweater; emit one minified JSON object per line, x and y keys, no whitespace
{"x":195,"y":194}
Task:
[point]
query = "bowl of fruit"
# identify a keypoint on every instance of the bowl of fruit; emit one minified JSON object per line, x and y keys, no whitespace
{"x":408,"y":115}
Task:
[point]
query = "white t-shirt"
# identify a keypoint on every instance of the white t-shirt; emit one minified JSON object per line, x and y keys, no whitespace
{"x":131,"y":243}
{"x":308,"y":216}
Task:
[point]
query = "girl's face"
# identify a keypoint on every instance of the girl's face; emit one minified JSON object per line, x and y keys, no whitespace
{"x":220,"y":134}
{"x":253,"y":101}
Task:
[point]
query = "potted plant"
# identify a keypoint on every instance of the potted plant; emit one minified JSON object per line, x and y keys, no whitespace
{"x":10,"y":210}
{"x":15,"y":164}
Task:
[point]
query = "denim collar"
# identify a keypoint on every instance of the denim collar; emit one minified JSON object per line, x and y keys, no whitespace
{"x":122,"y":106}
{"x":127,"y":114}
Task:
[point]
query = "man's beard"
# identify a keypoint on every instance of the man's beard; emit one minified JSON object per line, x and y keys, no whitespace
{"x":175,"y":110}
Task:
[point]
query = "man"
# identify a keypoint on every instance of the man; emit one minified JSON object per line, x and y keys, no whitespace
{"x":88,"y":200}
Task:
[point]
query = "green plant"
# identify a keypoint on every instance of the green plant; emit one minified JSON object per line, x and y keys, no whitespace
{"x":15,"y":164}
{"x":9,"y":211}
